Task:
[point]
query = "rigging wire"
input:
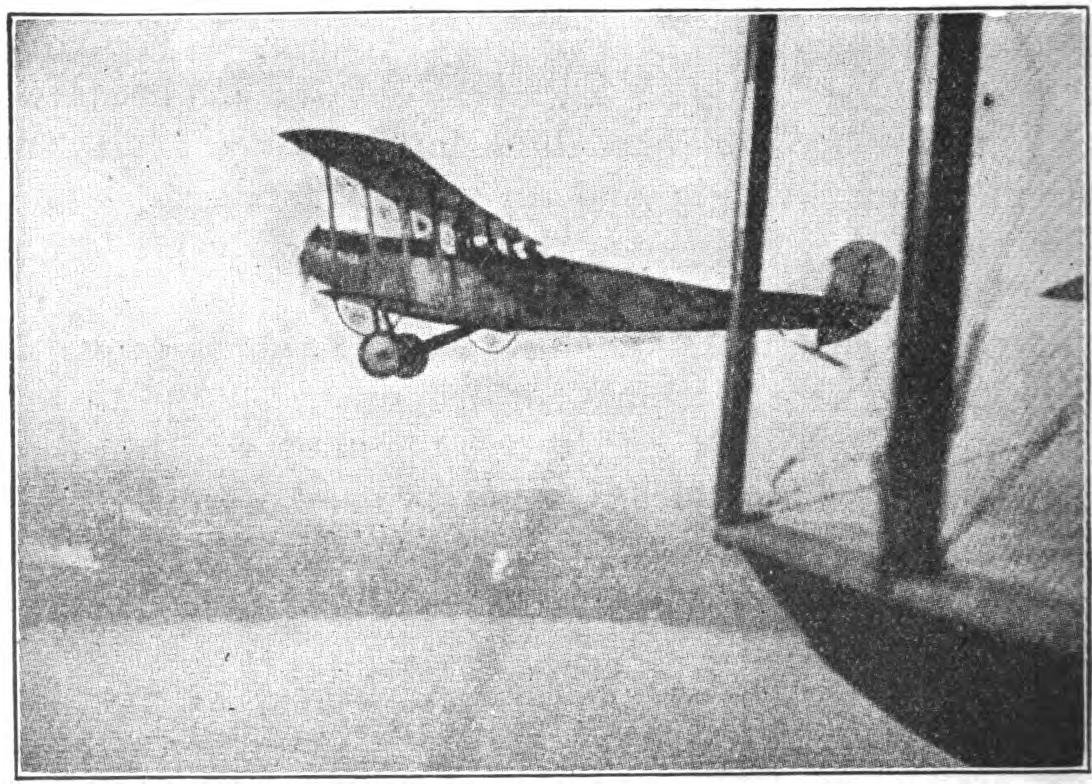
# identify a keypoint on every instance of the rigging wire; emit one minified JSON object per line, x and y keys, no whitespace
{"x":1029,"y":449}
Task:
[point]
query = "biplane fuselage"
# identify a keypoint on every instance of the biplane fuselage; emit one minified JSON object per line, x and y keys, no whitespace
{"x":489,"y":289}
{"x":500,"y":292}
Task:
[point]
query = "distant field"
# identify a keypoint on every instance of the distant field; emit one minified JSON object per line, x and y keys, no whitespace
{"x":568,"y":560}
{"x":618,"y":636}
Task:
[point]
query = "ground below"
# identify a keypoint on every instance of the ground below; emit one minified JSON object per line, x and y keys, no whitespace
{"x":548,"y":637}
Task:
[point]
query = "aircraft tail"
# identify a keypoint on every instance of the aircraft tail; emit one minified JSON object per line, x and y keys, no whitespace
{"x":864,"y":279}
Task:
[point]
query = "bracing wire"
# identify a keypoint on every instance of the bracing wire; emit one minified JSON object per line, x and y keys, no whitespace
{"x":1029,"y":450}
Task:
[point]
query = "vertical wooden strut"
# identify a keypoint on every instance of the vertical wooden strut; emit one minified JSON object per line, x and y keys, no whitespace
{"x":434,"y":216}
{"x":406,"y":230}
{"x":918,"y":441}
{"x":371,"y":217}
{"x":330,"y":206}
{"x":746,"y":274}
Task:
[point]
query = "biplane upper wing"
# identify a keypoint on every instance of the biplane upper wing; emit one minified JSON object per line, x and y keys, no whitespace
{"x":399,"y":174}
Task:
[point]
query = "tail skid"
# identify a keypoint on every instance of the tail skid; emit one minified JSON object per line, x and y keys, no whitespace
{"x":815,"y":351}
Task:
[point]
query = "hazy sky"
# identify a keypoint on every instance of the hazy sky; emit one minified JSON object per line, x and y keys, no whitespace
{"x":159,"y":216}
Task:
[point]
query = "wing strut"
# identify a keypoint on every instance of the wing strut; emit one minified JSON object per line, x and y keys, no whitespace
{"x":920,"y":428}
{"x":371,"y":220}
{"x":330,"y":205}
{"x":747,"y":270}
{"x":404,"y":228}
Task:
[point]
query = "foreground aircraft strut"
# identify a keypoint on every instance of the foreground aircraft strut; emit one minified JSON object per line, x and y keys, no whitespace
{"x":411,"y":243}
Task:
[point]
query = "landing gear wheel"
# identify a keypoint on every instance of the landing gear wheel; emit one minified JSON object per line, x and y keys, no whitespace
{"x":380,"y":355}
{"x":413,"y":357}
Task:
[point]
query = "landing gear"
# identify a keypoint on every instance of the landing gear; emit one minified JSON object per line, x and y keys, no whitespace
{"x":380,"y":355}
{"x":383,"y":352}
{"x":413,"y":355}
{"x":386,"y":354}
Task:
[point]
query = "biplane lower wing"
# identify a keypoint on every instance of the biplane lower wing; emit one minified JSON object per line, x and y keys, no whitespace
{"x":412,"y":243}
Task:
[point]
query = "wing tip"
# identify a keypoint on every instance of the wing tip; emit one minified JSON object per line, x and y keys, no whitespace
{"x":1070,"y":291}
{"x":325,"y":142}
{"x":300,"y":137}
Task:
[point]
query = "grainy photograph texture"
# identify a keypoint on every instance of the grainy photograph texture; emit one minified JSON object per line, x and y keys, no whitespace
{"x":549,"y":392}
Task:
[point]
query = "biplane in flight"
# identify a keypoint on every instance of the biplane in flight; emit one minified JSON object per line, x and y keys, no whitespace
{"x":403,"y":240}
